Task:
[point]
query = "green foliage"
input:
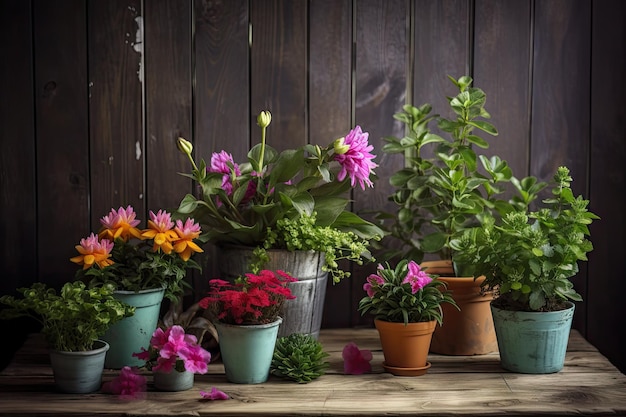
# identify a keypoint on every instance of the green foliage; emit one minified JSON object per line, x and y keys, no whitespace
{"x":72,"y":319}
{"x":439,"y":195}
{"x":299,"y":357}
{"x":302,"y":233}
{"x":392,"y":299}
{"x":530,"y":256}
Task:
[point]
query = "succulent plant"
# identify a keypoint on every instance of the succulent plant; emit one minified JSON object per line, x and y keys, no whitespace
{"x":299,"y":357}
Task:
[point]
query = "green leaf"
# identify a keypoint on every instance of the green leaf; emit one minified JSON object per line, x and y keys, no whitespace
{"x":484,"y":126}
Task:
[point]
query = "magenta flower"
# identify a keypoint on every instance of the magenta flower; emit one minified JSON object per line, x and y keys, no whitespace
{"x":356,"y":162}
{"x":416,"y":277}
{"x":215,"y":394}
{"x":223,"y":162}
{"x":196,"y":359}
{"x":373,"y":281}
{"x":128,"y":384}
{"x":356,"y":361}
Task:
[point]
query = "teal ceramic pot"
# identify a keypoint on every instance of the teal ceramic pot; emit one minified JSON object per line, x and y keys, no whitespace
{"x":79,"y":372}
{"x":173,"y":381}
{"x":247,"y":351}
{"x":130,"y":334}
{"x":532,"y":342}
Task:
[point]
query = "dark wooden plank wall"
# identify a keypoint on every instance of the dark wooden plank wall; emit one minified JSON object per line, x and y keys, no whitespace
{"x":95,"y":94}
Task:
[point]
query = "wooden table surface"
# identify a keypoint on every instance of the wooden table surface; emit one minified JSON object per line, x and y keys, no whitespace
{"x":454,"y":385}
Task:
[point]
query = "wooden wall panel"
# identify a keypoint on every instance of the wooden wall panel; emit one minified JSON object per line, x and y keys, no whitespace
{"x":440,"y":48}
{"x":502,"y":41}
{"x":168,"y":100}
{"x":116,"y":107}
{"x":560,"y":101}
{"x":278,"y":70}
{"x":18,"y":230}
{"x":381,"y":83}
{"x":60,"y":52}
{"x":222,"y":92}
{"x":330,"y":103}
{"x":607,"y":283}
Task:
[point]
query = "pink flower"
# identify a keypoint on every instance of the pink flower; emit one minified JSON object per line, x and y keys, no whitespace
{"x":215,"y":394}
{"x":196,"y":359}
{"x":128,"y":385}
{"x":223,"y":162}
{"x":416,"y":277}
{"x":356,"y":162}
{"x":356,"y":361}
{"x":373,"y":281}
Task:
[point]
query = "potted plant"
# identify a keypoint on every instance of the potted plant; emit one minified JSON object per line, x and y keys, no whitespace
{"x":299,"y":357}
{"x":246,"y":314}
{"x":407,"y":304}
{"x":72,"y":320}
{"x":440,"y":191}
{"x":530,"y":257}
{"x":143,"y":266}
{"x":174,"y":357}
{"x":286,"y":211}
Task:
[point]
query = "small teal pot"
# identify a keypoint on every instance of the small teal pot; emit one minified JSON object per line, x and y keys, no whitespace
{"x":130,"y":334}
{"x":532,"y":342}
{"x":173,"y":381}
{"x":79,"y":372}
{"x":247,"y":351}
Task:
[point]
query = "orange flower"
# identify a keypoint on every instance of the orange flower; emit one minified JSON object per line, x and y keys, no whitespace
{"x":187,"y":232}
{"x":160,"y":230}
{"x":120,"y":224}
{"x":93,"y":252}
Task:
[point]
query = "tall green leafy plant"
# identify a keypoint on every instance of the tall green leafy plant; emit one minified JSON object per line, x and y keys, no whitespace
{"x":442,"y":188}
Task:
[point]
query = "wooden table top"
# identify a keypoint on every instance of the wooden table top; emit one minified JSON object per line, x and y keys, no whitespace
{"x":454,"y":385}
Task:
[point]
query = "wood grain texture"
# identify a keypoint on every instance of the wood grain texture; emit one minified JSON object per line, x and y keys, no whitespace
{"x":468,"y":385}
{"x":116,"y":130}
{"x":560,"y":129}
{"x":18,"y":196}
{"x":502,"y":41}
{"x":62,"y":135}
{"x":607,"y":177}
{"x":278,"y":70}
{"x":168,"y":71}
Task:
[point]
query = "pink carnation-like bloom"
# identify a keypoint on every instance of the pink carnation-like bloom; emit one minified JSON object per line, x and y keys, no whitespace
{"x":416,"y":277}
{"x":355,"y":360}
{"x":128,"y":384}
{"x":223,"y":162}
{"x":356,"y":162}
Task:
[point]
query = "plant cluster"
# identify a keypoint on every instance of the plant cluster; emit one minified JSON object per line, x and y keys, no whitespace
{"x":243,"y":203}
{"x":173,"y":349}
{"x":73,"y":318}
{"x":302,"y":233}
{"x":131,"y":259}
{"x":404,"y":294}
{"x":299,"y":357}
{"x":529,"y":257}
{"x":253,"y":299}
{"x":441,"y":189}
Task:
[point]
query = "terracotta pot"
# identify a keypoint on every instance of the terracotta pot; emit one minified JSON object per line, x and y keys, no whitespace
{"x":469,"y":331}
{"x":405,"y":348}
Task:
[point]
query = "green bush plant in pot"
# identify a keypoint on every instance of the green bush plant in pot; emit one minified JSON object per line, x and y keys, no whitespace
{"x":143,"y":265}
{"x":73,"y":321}
{"x":286,"y":210}
{"x":440,"y":191}
{"x":530,"y":257}
{"x":406,"y":304}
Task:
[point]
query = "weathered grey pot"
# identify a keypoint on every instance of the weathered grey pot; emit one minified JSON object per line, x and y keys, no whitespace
{"x":302,"y":314}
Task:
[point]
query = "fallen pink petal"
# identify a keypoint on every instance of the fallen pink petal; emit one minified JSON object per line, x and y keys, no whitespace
{"x":355,"y":360}
{"x":215,"y":394}
{"x":129,"y":385}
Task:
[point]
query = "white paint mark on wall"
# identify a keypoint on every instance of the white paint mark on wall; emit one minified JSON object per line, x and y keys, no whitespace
{"x":137,"y":150}
{"x":138,"y":45}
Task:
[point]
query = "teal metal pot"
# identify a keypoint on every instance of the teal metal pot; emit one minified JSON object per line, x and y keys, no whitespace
{"x":79,"y":372}
{"x":532,"y":342}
